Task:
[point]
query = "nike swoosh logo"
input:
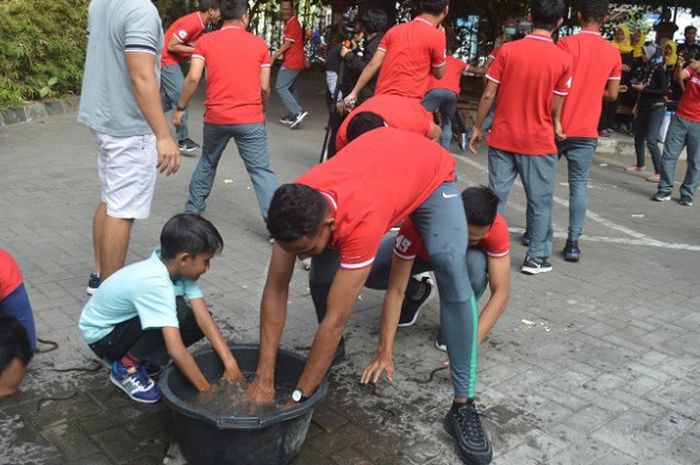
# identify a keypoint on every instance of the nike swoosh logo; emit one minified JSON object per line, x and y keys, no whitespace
{"x":449,"y":196}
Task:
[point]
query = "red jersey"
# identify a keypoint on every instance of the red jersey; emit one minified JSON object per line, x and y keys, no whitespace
{"x":398,"y":112}
{"x":689,"y":106}
{"x":412,"y":49}
{"x":374,"y":183}
{"x":452,"y":80}
{"x":594,"y":62}
{"x":233,"y":58}
{"x":528,"y":72}
{"x":10,"y":276}
{"x":409,"y":243}
{"x":294,"y":56}
{"x":186,"y":30}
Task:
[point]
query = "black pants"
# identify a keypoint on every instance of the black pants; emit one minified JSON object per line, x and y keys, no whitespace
{"x":147,"y":345}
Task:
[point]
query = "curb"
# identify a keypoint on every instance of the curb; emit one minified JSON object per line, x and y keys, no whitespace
{"x":39,"y":110}
{"x":624,"y":145}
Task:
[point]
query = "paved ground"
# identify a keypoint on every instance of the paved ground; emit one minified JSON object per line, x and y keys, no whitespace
{"x":609,"y":373}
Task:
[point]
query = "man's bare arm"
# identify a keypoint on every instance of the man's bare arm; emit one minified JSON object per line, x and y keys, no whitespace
{"x":499,"y":282}
{"x":485,"y":103}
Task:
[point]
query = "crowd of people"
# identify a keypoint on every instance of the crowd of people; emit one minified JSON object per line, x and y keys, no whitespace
{"x":387,"y":166}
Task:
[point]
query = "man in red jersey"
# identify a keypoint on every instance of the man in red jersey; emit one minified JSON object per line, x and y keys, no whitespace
{"x":684,"y":131}
{"x":397,"y":112}
{"x":408,"y":55}
{"x":178,"y":46}
{"x":596,"y":70}
{"x":238,"y":86}
{"x":337,"y":213}
{"x":293,"y":62}
{"x":532,"y":76}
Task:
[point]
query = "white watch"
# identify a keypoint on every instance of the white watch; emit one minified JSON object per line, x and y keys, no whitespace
{"x":298,"y":396}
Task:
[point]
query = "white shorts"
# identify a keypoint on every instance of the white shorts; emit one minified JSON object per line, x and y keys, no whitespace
{"x":127,"y":170}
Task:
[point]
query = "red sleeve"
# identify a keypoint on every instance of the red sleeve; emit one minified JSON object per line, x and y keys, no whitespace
{"x":292,"y":31}
{"x":426,"y":119}
{"x":10,"y":275}
{"x":200,"y":50}
{"x":408,"y":242}
{"x":438,"y":49}
{"x":495,"y":72}
{"x":564,"y":83}
{"x":497,"y":241}
{"x":384,"y":43}
{"x":360,"y":248}
{"x":187,"y":30}
{"x":264,"y":55}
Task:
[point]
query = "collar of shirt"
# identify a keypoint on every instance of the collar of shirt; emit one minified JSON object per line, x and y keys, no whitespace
{"x":539,"y":37}
{"x":594,"y":32}
{"x":231,"y":26}
{"x":290,"y":18}
{"x":201,"y":20}
{"x":423,"y":20}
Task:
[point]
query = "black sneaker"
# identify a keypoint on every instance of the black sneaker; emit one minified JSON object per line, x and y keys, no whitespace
{"x":411,"y":307}
{"x":298,"y":119}
{"x":686,"y":202}
{"x":187,"y":145}
{"x":525,"y":240}
{"x":287,"y":119}
{"x":534,"y":266}
{"x":462,"y":422}
{"x":93,"y":283}
{"x":661,"y":197}
{"x":571,"y":251}
{"x":440,"y":343}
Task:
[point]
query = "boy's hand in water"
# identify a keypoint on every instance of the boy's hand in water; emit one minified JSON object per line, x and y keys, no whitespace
{"x":374,"y":370}
{"x":261,"y":391}
{"x":232,"y":374}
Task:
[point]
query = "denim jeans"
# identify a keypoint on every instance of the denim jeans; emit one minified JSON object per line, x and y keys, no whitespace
{"x":171,"y":80}
{"x":578,"y":152}
{"x":286,"y":89}
{"x":681,"y":132}
{"x":251,"y":140}
{"x":538,"y":175}
{"x":446,"y":101}
{"x":441,"y":222}
{"x":646,"y":134}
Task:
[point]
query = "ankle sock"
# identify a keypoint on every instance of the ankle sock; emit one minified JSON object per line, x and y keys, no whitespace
{"x":129,"y":361}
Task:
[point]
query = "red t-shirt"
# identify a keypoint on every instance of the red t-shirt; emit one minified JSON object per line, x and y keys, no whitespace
{"x":411,"y":49}
{"x":689,"y":106}
{"x":452,"y":79}
{"x":294,"y":56}
{"x":398,"y":112}
{"x":186,"y":30}
{"x":10,"y":275}
{"x":528,"y":73}
{"x":594,"y":62}
{"x":374,"y":183}
{"x":409,"y":243}
{"x":233,"y":58}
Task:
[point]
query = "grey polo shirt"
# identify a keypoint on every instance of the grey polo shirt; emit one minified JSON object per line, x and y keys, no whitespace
{"x":115,"y":28}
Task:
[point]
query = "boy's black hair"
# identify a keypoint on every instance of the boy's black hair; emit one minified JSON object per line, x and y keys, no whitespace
{"x":204,"y":5}
{"x":547,"y":13}
{"x":189,"y":232}
{"x":480,"y":205}
{"x":362,"y":122}
{"x":594,"y":10}
{"x":295,"y":211}
{"x":690,"y":27}
{"x":433,"y":7}
{"x":233,"y":9}
{"x":14,"y":341}
{"x":374,"y":20}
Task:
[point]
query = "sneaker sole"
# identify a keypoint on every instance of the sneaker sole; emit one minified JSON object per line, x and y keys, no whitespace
{"x":441,"y":348}
{"x":661,"y":199}
{"x":533,"y":271}
{"x":468,"y":460}
{"x":135,"y":399}
{"x":298,"y":121}
{"x":188,"y":150}
{"x":415,"y":317}
{"x":90,"y":291}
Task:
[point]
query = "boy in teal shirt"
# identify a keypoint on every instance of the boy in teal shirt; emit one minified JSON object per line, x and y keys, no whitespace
{"x":153,"y":310}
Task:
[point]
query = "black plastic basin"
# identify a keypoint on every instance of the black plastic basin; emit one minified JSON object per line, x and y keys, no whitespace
{"x":269,"y":439}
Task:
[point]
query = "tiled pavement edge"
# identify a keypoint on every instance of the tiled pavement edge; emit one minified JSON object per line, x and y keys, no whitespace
{"x":609,"y":374}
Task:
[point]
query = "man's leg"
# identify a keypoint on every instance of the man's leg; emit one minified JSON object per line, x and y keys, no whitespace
{"x":381,"y":266}
{"x":171,"y":79}
{"x":579,"y":154}
{"x":477,"y":266}
{"x":283,"y":85}
{"x":502,"y":172}
{"x":690,"y":183}
{"x":114,"y":244}
{"x":640,"y":127}
{"x":251,"y":140}
{"x":432,"y":100}
{"x":656,"y":118}
{"x":447,"y":114}
{"x":216,"y":138}
{"x":675,"y":141}
{"x":98,"y":222}
{"x":538,"y":174}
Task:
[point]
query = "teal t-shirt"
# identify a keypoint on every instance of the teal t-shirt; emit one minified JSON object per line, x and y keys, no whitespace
{"x":143,"y":289}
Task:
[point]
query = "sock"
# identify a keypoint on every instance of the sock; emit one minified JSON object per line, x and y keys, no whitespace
{"x":129,"y":361}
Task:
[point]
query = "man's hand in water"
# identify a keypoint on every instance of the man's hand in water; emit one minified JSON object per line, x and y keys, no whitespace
{"x":261,"y":391}
{"x":232,"y":374}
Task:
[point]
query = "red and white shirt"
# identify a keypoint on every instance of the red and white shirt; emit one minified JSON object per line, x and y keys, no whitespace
{"x":689,"y":106}
{"x":398,"y":112}
{"x":528,"y":72}
{"x":453,"y":76}
{"x":186,"y":30}
{"x":233,"y":58}
{"x":374,"y":183}
{"x":412,"y":49}
{"x":10,"y":275}
{"x":595,"y":62}
{"x":294,"y":56}
{"x":409,"y":243}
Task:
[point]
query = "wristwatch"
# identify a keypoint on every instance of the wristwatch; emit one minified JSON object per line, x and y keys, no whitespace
{"x":179,"y":108}
{"x":298,"y":396}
